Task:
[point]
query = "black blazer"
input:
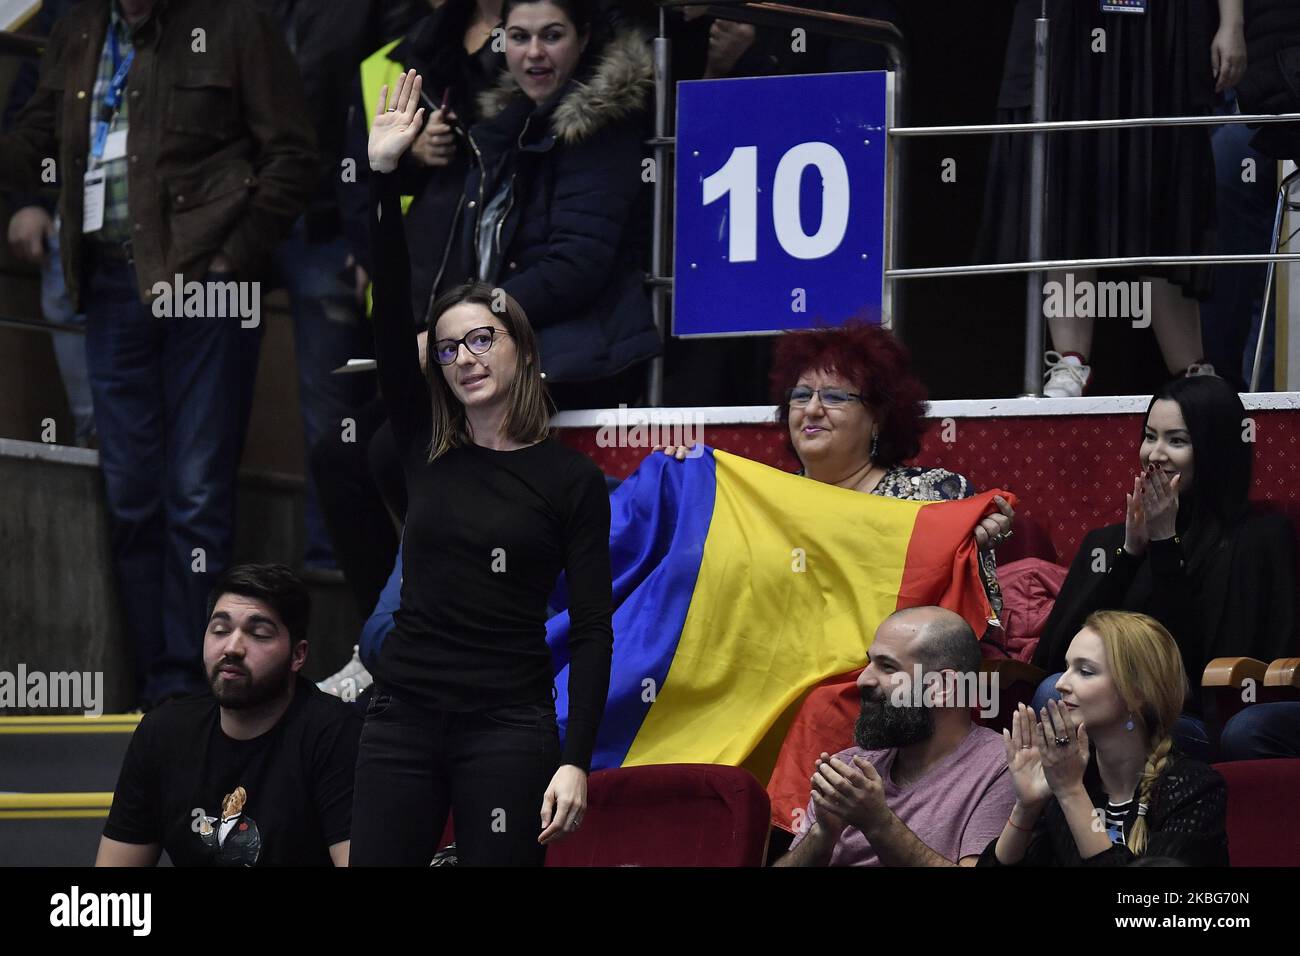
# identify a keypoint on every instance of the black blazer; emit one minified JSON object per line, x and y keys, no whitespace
{"x":1241,"y":602}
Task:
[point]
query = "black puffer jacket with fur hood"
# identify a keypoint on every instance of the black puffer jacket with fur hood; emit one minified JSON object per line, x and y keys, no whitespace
{"x":572,"y":236}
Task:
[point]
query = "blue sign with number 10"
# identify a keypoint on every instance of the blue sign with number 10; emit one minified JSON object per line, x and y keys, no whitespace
{"x":780,"y":193}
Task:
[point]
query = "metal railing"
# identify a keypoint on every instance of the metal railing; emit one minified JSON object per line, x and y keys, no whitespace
{"x":781,"y":15}
{"x":887,"y":35}
{"x":1038,"y":265}
{"x":39,"y":325}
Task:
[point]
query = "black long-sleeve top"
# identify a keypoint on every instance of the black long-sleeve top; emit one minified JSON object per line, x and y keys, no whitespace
{"x":1186,"y":821}
{"x":487,"y":534}
{"x":1240,"y":602}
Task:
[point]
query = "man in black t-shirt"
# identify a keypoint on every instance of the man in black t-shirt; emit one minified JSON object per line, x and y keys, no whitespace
{"x":258,"y":774}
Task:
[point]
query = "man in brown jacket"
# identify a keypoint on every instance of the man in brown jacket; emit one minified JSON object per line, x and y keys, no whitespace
{"x":178,"y":132}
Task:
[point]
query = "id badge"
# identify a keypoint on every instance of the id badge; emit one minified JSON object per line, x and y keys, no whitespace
{"x":115,"y":145}
{"x":92,"y":219}
{"x":1123,"y":6}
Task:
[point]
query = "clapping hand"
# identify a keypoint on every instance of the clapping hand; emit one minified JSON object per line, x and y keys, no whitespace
{"x":396,"y":124}
{"x":848,"y":793}
{"x":1063,"y":748}
{"x":1151,"y":509}
{"x":1023,"y":759}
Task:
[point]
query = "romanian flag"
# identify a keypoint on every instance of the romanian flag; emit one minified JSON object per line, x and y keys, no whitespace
{"x":738,"y":588}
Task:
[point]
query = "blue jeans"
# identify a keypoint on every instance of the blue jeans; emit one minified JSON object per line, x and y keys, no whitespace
{"x":69,"y":347}
{"x":328,"y":329}
{"x":1261,"y":731}
{"x":1188,"y":732}
{"x":490,"y":768}
{"x":1230,"y":319}
{"x":171,"y":396}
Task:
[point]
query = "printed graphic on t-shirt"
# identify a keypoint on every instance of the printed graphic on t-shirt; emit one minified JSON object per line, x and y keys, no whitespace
{"x":234,"y":840}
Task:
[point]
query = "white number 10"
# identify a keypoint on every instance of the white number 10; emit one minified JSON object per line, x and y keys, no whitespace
{"x":738,"y":179}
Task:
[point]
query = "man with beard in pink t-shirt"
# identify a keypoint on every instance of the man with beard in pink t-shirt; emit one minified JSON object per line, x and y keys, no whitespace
{"x":924,"y":785}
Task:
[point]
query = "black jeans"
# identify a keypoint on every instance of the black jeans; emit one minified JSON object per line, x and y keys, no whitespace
{"x":490,"y":768}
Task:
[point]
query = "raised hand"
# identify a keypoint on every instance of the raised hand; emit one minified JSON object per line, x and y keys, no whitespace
{"x":396,"y":123}
{"x":1023,"y":759}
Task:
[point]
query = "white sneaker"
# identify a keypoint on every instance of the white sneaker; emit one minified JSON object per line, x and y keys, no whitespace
{"x":1200,"y":368}
{"x":348,"y":683}
{"x":1066,"y":376}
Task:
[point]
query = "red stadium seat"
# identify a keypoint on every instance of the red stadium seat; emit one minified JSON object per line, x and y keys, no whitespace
{"x":669,"y":815}
{"x":1263,"y":811}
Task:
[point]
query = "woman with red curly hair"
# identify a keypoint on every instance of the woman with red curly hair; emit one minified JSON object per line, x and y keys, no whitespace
{"x":855,"y":413}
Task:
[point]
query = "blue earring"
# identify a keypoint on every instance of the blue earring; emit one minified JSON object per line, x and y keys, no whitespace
{"x":1129,"y":725}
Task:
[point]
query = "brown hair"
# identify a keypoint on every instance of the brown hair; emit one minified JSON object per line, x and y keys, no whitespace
{"x":1148,"y":672}
{"x":529,"y":408}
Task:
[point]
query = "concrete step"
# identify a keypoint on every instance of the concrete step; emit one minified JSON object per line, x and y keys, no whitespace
{"x":57,"y":776}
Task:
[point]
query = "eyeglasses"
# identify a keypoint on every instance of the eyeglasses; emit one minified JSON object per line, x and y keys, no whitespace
{"x":801,"y":395}
{"x":478,"y":341}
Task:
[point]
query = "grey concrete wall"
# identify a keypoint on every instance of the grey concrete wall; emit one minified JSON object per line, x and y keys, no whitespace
{"x":58,"y":604}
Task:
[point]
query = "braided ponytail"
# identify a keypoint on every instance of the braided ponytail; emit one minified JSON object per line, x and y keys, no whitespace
{"x":1155,"y":766}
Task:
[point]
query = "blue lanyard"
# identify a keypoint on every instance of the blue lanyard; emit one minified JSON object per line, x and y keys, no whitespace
{"x":113,"y":98}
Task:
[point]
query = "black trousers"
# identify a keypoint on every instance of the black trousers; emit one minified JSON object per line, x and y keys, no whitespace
{"x":489,"y":768}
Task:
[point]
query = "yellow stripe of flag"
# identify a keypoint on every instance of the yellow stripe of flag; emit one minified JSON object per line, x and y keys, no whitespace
{"x":795,"y":578}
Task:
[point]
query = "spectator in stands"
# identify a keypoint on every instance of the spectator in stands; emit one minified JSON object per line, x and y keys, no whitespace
{"x":220,"y":163}
{"x":462,"y":716}
{"x":1230,"y":317}
{"x":34,"y":238}
{"x":555,"y":206}
{"x":1247,"y":202}
{"x":261,"y":772}
{"x":1262,"y":732}
{"x":855,"y":413}
{"x":923,"y":786}
{"x":1191,"y":551}
{"x":1130,"y":794}
{"x":328,"y":40}
{"x":1112,"y":193}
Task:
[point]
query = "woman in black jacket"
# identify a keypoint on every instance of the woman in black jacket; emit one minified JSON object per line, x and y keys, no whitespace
{"x":1098,"y":780}
{"x":555,"y":204}
{"x":1191,"y":552}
